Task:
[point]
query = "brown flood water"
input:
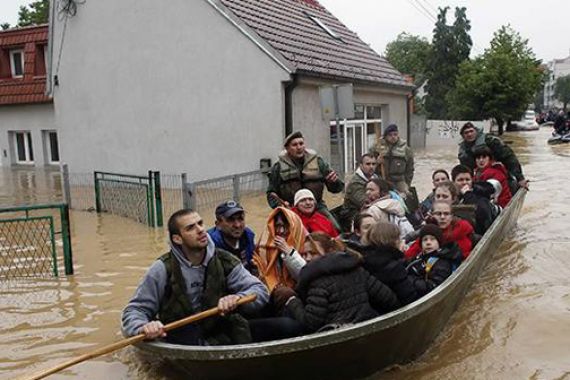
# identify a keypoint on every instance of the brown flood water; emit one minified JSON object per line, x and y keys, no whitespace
{"x":514,"y":323}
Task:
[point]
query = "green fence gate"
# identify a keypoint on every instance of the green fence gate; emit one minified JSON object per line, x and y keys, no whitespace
{"x":131,"y":196}
{"x":28,"y":246}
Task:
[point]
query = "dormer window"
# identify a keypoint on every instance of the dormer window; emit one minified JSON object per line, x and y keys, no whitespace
{"x":324,"y":27}
{"x":17,"y":63}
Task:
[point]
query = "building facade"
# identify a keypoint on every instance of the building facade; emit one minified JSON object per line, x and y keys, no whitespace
{"x":210,"y":87}
{"x":28,"y":133}
{"x":556,"y":68}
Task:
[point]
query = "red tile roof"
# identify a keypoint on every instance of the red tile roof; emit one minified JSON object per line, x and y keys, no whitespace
{"x":31,"y":87}
{"x":284,"y":24}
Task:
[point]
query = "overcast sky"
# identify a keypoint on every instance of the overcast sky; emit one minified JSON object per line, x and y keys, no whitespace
{"x":545,"y":23}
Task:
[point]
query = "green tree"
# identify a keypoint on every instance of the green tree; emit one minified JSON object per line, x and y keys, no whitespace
{"x":408,"y":54}
{"x":562,"y":90}
{"x":500,"y":84}
{"x":35,"y":13}
{"x":451,"y":45}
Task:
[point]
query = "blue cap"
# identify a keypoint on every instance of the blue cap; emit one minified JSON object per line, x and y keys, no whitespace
{"x":228,"y":208}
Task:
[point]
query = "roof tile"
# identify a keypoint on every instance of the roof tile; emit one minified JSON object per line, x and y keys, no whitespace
{"x":284,"y":24}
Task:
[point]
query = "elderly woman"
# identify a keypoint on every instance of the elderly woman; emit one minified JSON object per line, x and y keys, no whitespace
{"x":382,"y":207}
{"x":314,"y":221}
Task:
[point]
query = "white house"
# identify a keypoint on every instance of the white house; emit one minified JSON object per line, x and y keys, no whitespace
{"x":209,"y":87}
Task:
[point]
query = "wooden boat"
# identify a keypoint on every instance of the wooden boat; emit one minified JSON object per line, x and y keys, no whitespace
{"x":350,"y":352}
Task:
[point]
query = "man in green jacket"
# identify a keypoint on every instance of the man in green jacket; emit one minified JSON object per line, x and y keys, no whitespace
{"x":474,"y":138}
{"x":355,"y":194}
{"x":301,"y":168}
{"x":395,"y":159}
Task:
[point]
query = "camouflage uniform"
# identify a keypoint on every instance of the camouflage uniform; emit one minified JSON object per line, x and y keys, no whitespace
{"x":398,"y":163}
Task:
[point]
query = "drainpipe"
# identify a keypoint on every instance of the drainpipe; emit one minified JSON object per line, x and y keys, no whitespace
{"x":409,"y":99}
{"x":289,"y":104}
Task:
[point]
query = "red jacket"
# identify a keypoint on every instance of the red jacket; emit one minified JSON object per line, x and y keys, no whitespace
{"x":317,"y":223}
{"x":496,"y":170}
{"x":459,"y":231}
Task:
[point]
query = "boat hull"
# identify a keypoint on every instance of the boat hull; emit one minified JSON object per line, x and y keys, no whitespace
{"x":350,"y":352}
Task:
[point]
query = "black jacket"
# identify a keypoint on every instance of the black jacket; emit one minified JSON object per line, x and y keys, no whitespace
{"x":388,"y":265}
{"x":442,"y":262}
{"x":335,"y":289}
{"x":485,"y":211}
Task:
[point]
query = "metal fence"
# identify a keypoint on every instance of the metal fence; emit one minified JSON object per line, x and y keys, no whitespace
{"x":207,"y":194}
{"x":30,"y":239}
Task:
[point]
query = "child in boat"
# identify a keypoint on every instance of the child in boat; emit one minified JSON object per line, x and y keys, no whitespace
{"x":380,"y":247}
{"x":437,"y":177}
{"x":454,"y":230}
{"x":436,"y":261}
{"x":488,"y":168}
{"x":334,"y":289}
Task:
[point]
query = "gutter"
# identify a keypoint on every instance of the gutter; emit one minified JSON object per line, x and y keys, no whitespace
{"x":289,"y":88}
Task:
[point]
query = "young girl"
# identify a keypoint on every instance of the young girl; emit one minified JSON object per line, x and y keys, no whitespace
{"x":454,"y":230}
{"x":436,"y":261}
{"x":488,"y":168}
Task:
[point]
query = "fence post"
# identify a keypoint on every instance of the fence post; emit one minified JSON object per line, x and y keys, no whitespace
{"x":97,"y":193}
{"x":158,"y":199}
{"x":150,"y":199}
{"x":235,"y":183}
{"x":66,"y":238}
{"x":65,"y":185}
{"x":185,"y":195}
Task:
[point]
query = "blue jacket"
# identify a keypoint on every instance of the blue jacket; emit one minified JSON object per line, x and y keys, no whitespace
{"x":246,"y":245}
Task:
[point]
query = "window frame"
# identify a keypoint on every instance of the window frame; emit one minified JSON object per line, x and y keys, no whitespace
{"x":13,"y":52}
{"x":28,"y":148}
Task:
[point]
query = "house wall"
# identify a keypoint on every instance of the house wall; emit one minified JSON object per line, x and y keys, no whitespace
{"x":307,"y":116}
{"x":33,"y":118}
{"x":172,"y":87}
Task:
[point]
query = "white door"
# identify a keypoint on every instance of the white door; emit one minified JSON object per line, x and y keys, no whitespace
{"x":354,"y":145}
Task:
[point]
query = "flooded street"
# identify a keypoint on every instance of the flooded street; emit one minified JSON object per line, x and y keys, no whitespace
{"x":514,"y":323}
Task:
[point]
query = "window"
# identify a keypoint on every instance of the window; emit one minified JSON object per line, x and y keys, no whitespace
{"x":23,"y":148}
{"x":17,"y":63}
{"x":324,"y":27}
{"x":52,"y":147}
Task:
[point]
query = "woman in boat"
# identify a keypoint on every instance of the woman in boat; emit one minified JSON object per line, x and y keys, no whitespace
{"x":384,"y":260}
{"x":334,"y":289}
{"x":437,"y":177}
{"x":285,"y":238}
{"x":454,"y":230}
{"x":436,"y":261}
{"x":488,"y":168}
{"x":382,"y":207}
{"x":314,"y":221}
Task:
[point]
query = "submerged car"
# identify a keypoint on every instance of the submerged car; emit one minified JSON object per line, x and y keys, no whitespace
{"x":527,"y":123}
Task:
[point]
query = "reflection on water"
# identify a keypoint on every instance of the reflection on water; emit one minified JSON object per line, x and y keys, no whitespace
{"x":512,"y":324}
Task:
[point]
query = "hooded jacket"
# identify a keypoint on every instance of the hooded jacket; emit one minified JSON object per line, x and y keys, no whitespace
{"x":430,"y":269}
{"x":317,"y":222}
{"x":388,"y":265}
{"x":496,"y":170}
{"x":390,"y":210}
{"x":459,"y":231}
{"x":501,"y":152}
{"x":335,"y":289}
{"x":152,"y":292}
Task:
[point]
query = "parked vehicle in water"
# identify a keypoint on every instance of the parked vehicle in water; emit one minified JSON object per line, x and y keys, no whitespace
{"x":527,"y":123}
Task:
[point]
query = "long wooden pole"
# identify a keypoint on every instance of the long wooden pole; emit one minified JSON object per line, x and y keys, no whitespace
{"x":132,"y":340}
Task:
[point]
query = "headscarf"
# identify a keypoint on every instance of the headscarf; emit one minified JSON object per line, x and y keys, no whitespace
{"x":266,"y":256}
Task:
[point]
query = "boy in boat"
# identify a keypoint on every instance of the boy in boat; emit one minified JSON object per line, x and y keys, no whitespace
{"x":193,"y":276}
{"x":435,"y":263}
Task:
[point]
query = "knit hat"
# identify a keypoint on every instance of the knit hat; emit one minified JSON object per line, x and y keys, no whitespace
{"x":291,"y":137}
{"x":465,"y":126}
{"x":433,"y":230}
{"x":303,"y":194}
{"x":390,"y":128}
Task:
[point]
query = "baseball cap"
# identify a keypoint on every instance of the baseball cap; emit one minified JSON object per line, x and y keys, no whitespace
{"x":228,"y":208}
